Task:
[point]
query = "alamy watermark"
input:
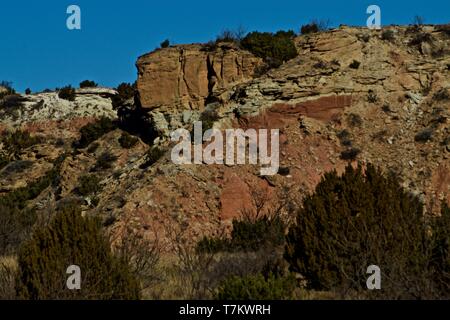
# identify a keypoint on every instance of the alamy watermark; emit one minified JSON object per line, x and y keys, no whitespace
{"x":235,"y":142}
{"x":74,"y":280}
{"x":374,"y":280}
{"x":73,"y":22}
{"x":374,"y":20}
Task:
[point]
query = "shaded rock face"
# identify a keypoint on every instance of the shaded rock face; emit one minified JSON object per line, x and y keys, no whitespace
{"x":183,"y":77}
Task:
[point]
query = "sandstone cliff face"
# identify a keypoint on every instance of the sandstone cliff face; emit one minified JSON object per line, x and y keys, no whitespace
{"x":183,"y":77}
{"x":397,"y":91}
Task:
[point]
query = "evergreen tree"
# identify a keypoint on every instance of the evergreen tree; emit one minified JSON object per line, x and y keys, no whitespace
{"x":71,"y":239}
{"x":359,"y":219}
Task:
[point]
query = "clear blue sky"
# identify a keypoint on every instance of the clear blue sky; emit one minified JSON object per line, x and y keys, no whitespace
{"x":38,"y":51}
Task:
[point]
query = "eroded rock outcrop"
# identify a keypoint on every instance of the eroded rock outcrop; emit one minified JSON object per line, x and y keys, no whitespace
{"x":185,"y":76}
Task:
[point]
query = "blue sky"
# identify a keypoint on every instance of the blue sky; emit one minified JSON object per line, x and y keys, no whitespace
{"x":38,"y":51}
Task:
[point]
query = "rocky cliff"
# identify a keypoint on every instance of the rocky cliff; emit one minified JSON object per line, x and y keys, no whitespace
{"x":381,"y":96}
{"x":183,"y":77}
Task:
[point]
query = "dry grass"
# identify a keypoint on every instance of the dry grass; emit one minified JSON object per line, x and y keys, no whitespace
{"x":8,"y":268}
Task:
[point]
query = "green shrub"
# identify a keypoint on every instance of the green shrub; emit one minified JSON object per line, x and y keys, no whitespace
{"x":16,"y":220}
{"x":93,"y":147}
{"x":127,"y":141}
{"x":3,"y":161}
{"x":125,"y":91}
{"x":386,"y":108}
{"x":440,"y":260}
{"x":309,"y":28}
{"x":320,"y":65}
{"x":350,"y":154}
{"x":424,"y":135}
{"x":6,"y":89}
{"x":15,"y":142}
{"x":343,"y":134}
{"x":89,"y":184}
{"x":418,"y":21}
{"x":365,"y":37}
{"x":247,"y":235}
{"x":152,"y":156}
{"x":67,"y":93}
{"x":71,"y":239}
{"x":315,"y":26}
{"x":420,"y":38}
{"x":165,"y":44}
{"x":388,"y":35}
{"x":88,"y":84}
{"x":212,"y":245}
{"x":254,"y":234}
{"x":94,"y":131}
{"x":27,"y":91}
{"x":17,"y":166}
{"x":441,"y":95}
{"x":12,"y":101}
{"x":208,"y":118}
{"x":275,"y":49}
{"x":356,"y":220}
{"x":105,"y":160}
{"x":227,"y":36}
{"x":354,"y":120}
{"x":355,"y":64}
{"x":256,"y":287}
{"x":372,"y":96}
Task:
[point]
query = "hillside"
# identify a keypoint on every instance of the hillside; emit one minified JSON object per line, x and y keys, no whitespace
{"x":351,"y":95}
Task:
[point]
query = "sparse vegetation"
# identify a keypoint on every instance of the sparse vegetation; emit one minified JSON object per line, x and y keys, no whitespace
{"x":67,"y":93}
{"x":3,"y":161}
{"x":424,"y":135}
{"x":372,"y":96}
{"x":89,"y":184}
{"x":208,"y":118}
{"x":365,"y":37}
{"x":6,"y":89}
{"x":93,"y":131}
{"x":380,"y":135}
{"x":105,"y":160}
{"x":386,"y":108}
{"x":88,"y":84}
{"x":315,"y":26}
{"x":350,"y":154}
{"x":388,"y":35}
{"x":17,"y":141}
{"x":354,"y":120}
{"x":127,"y":141}
{"x":441,"y":95}
{"x":247,"y":235}
{"x":256,"y":287}
{"x":17,"y":166}
{"x":274,"y":48}
{"x":153,"y":155}
{"x":418,"y":21}
{"x":355,"y":64}
{"x":165,"y":44}
{"x":320,"y":65}
{"x":420,"y":38}
{"x":227,"y":36}
{"x":125,"y":91}
{"x":12,"y":101}
{"x":17,"y":220}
